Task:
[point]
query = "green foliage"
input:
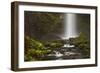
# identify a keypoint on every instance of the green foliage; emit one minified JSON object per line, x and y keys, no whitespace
{"x":83,"y":43}
{"x":34,"y":49}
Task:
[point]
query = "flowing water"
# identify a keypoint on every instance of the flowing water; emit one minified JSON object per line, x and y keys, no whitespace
{"x":70,"y":30}
{"x":70,"y":26}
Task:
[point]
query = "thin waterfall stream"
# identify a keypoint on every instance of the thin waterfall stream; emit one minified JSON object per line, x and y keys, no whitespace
{"x":70,"y":28}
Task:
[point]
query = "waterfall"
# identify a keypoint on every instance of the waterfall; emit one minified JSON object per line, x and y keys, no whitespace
{"x":70,"y":31}
{"x":70,"y":26}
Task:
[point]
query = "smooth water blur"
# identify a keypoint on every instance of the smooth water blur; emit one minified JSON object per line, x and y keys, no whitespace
{"x":70,"y":26}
